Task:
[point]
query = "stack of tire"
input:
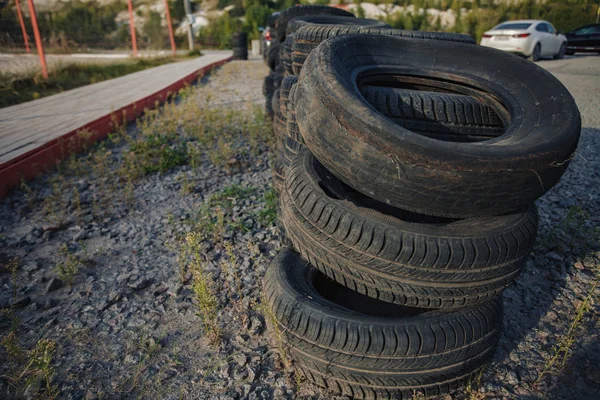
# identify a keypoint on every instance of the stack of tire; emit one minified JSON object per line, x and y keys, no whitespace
{"x":410,"y":206}
{"x":239,"y":42}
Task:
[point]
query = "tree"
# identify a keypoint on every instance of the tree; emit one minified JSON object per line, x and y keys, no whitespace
{"x":153,"y":31}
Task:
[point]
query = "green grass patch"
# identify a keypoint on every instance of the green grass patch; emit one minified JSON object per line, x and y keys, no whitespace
{"x":16,"y":89}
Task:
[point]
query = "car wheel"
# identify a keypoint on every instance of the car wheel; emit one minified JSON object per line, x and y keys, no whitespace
{"x":561,"y":52}
{"x":535,"y":55}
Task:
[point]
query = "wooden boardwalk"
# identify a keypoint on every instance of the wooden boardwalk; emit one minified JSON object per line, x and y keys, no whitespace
{"x":28,"y":129}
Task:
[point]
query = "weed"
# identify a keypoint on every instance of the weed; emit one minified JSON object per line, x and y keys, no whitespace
{"x":418,"y":396}
{"x":35,"y":368}
{"x":30,"y":195}
{"x":562,"y":351}
{"x":269,"y":316}
{"x":201,"y":285}
{"x":268,"y":214}
{"x":232,"y":268}
{"x":473,"y":389}
{"x":69,"y":267}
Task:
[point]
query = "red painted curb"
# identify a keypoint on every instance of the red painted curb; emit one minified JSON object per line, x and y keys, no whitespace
{"x":28,"y":165}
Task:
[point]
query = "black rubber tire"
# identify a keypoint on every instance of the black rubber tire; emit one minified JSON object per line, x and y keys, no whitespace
{"x":284,"y":92}
{"x":383,"y":160}
{"x":240,"y":53}
{"x":273,"y":56}
{"x":306,"y":39}
{"x":279,"y":125}
{"x":285,"y":55}
{"x":278,"y":175}
{"x":239,"y":39}
{"x":397,"y":256}
{"x":291,"y":149}
{"x":366,"y":349}
{"x":268,"y":85}
{"x":561,"y":52}
{"x":278,"y":76}
{"x":444,"y":116}
{"x":535,"y":54}
{"x":333,"y":21}
{"x":292,"y":125}
{"x":300,"y":11}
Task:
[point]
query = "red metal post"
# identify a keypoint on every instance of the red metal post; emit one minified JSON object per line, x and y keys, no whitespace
{"x":132,"y":28}
{"x":25,"y":38}
{"x":171,"y":37}
{"x":38,"y":38}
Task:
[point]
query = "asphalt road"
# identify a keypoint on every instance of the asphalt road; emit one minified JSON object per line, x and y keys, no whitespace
{"x":581,"y":75}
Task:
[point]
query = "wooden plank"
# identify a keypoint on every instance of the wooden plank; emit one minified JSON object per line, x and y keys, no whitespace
{"x":37,"y":133}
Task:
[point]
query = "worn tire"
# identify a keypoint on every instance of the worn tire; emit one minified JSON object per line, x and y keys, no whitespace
{"x":285,"y":55}
{"x":300,"y":11}
{"x":278,"y":175}
{"x":444,"y":116}
{"x":240,"y":53}
{"x":284,"y":92}
{"x":332,"y":22}
{"x":365,"y":349}
{"x":397,"y":256}
{"x":279,"y":125}
{"x":273,"y":56}
{"x":307,"y":38}
{"x":383,"y":160}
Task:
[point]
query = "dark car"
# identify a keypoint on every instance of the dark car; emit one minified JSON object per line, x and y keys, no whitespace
{"x":585,"y":39}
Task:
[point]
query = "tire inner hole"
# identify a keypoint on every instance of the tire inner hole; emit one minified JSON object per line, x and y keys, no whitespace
{"x":338,"y":190}
{"x":438,"y":109}
{"x":360,"y":303}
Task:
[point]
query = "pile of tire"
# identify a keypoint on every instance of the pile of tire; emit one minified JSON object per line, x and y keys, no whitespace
{"x":239,"y":42}
{"x":407,"y":175}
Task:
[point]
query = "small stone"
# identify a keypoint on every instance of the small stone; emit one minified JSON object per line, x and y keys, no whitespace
{"x":512,"y":378}
{"x":553,"y":256}
{"x":113,"y":297}
{"x":22,"y":301}
{"x":240,"y":359}
{"x":53,"y":285}
{"x":50,"y":303}
{"x":160,"y":290}
{"x":32,"y":266}
{"x":102,"y":305}
{"x":139,"y":284}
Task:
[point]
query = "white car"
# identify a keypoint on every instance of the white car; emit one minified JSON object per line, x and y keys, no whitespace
{"x":530,"y":38}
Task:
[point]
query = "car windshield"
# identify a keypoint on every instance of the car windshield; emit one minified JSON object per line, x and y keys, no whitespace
{"x":519,"y":26}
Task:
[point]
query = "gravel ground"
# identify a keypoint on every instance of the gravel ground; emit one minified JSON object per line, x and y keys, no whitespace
{"x":128,"y":326}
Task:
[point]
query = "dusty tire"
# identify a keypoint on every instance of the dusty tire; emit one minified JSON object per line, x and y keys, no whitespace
{"x":306,"y":39}
{"x":284,"y":92}
{"x":285,"y":55}
{"x":279,"y":125}
{"x":300,"y":11}
{"x":397,"y":256}
{"x":278,"y":175}
{"x":273,"y":56}
{"x":383,"y":160}
{"x":444,"y":116}
{"x":365,"y":349}
{"x":332,"y":22}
